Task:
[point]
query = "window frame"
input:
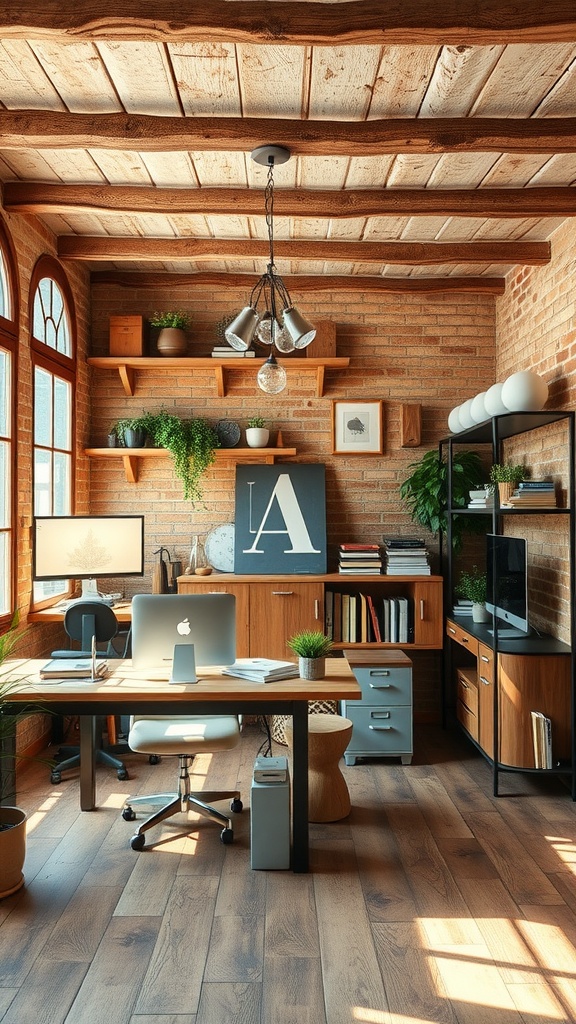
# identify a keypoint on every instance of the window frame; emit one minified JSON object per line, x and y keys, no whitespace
{"x":58,"y":365}
{"x":9,"y":343}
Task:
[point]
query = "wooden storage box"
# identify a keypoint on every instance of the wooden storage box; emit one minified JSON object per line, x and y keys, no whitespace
{"x":126,"y":335}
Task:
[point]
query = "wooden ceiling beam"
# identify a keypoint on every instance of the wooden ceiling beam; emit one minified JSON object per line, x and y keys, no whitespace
{"x":365,"y":21}
{"x":204,"y":249}
{"x":39,"y":198}
{"x":48,"y":129}
{"x":301,"y":283}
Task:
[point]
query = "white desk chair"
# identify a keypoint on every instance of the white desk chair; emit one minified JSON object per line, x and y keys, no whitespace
{"x":183,"y":737}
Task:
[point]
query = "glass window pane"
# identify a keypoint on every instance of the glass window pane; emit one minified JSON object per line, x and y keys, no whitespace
{"x":5,"y":392}
{"x":42,"y":483}
{"x":62,"y":413}
{"x":61,"y":490}
{"x":50,"y":321}
{"x":5,"y":309}
{"x":42,"y":407}
{"x":4,"y":485}
{"x":49,"y":588}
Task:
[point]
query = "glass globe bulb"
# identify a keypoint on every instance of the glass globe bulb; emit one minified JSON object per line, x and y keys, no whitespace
{"x":282,"y":340}
{"x":271,"y":377}
{"x":264,"y":329}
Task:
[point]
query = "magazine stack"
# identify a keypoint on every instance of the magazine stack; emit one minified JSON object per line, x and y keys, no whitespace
{"x":406,"y":556}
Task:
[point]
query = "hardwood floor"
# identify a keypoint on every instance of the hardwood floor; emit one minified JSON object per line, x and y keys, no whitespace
{"x":433,"y":903}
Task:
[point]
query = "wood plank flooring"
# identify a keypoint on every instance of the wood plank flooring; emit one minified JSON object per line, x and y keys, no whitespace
{"x":433,"y":903}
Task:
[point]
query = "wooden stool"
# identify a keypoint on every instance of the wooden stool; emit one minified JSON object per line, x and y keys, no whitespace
{"x":328,"y":737}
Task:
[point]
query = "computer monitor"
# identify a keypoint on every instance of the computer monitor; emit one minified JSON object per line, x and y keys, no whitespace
{"x":507,"y":584}
{"x":87,"y":548}
{"x":180,"y":631}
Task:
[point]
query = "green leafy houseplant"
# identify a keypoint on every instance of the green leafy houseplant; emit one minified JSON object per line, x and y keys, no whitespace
{"x":191,"y":444}
{"x":426,"y":493}
{"x":257,"y":421}
{"x":310,"y":644}
{"x":507,"y":473}
{"x":174,"y":318}
{"x":472,"y":585}
{"x":130,"y":423}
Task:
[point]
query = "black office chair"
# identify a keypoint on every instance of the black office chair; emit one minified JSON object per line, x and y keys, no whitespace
{"x":83,"y":621}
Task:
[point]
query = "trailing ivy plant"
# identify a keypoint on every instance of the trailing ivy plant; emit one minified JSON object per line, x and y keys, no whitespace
{"x":426,"y":493}
{"x":191,"y":444}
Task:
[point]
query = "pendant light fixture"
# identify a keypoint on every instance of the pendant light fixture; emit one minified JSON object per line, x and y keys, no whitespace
{"x":279,"y":324}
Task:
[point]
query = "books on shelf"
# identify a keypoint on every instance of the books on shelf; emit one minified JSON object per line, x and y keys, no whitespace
{"x":360,"y":559}
{"x":261,"y":670}
{"x":542,"y":739}
{"x":365,"y":618}
{"x":225,"y":352}
{"x":533,"y":494}
{"x":406,"y":556}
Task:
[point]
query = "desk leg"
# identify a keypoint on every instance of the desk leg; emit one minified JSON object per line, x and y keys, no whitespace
{"x":87,"y":762}
{"x":300,"y":786}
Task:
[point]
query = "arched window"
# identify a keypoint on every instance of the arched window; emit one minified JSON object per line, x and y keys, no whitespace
{"x":54,"y":366}
{"x":8,"y":368}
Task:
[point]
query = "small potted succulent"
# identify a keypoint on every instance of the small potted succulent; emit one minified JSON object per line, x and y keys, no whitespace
{"x":312,"y":648}
{"x":173,"y":325}
{"x":257,"y":433}
{"x":506,"y":477}
{"x":472,"y":585}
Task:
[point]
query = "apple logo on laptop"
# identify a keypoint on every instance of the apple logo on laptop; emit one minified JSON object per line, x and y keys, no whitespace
{"x":184,"y":627}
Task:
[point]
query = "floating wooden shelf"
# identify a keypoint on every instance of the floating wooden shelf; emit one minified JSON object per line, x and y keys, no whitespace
{"x":131,"y":456}
{"x":128,"y":365}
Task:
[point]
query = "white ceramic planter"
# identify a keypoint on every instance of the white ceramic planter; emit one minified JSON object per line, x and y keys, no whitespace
{"x":480,"y":613}
{"x":257,"y":437}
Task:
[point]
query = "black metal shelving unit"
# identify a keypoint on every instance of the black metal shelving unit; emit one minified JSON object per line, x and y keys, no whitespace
{"x":495,"y":432}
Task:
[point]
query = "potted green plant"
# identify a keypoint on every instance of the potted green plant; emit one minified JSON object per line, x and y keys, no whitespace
{"x":425,"y":491}
{"x":132,"y":431}
{"x":312,"y":647}
{"x":506,"y":476}
{"x":257,"y":433}
{"x":191,"y":443}
{"x":472,"y":585}
{"x":173,"y":325}
{"x":12,"y":818}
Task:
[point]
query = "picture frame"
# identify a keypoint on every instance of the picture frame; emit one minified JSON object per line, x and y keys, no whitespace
{"x":357,"y":427}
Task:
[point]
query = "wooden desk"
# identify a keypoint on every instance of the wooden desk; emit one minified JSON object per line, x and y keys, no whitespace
{"x":127,"y":691}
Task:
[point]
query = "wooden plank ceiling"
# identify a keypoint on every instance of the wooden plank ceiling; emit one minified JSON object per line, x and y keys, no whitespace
{"x":430,"y":142}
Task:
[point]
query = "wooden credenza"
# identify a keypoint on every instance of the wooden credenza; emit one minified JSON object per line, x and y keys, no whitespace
{"x":533,"y":677}
{"x":270,"y":609}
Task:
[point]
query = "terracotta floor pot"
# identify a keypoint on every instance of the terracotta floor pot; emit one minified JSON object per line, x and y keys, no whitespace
{"x":12,"y":849}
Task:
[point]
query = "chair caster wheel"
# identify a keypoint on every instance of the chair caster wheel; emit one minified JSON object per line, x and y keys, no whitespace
{"x":154,"y":759}
{"x":138,"y":841}
{"x":236,"y":806}
{"x":55,"y":778}
{"x":128,"y":814}
{"x":122,"y":775}
{"x":227,"y":836}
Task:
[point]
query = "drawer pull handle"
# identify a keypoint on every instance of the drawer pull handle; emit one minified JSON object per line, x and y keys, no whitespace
{"x":484,"y":658}
{"x":463,"y":639}
{"x":380,"y":728}
{"x":484,"y":680}
{"x":282,"y":593}
{"x":376,"y":715}
{"x":450,"y":630}
{"x":380,"y":686}
{"x":380,"y":672}
{"x":464,"y":685}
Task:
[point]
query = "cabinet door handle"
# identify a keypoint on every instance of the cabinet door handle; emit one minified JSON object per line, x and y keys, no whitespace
{"x":484,"y":680}
{"x":463,"y":639}
{"x":316,"y":608}
{"x":282,"y":593}
{"x":484,"y":658}
{"x":422,"y":610}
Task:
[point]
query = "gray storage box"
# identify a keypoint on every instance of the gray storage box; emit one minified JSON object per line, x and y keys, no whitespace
{"x":270,"y":822}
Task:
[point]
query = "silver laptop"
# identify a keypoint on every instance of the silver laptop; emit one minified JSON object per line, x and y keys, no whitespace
{"x":163,"y":622}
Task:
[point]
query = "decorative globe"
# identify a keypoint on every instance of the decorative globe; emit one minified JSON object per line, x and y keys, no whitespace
{"x":493,"y":401}
{"x":454,"y":421}
{"x":465,"y":415}
{"x":524,"y":391}
{"x":478,"y":409}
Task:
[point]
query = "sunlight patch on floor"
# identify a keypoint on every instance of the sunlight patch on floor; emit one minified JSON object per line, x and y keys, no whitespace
{"x":38,"y":816}
{"x":565,"y":849}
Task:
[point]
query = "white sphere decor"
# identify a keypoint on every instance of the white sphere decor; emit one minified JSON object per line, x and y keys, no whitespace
{"x":454,"y":421}
{"x":493,"y":401}
{"x":524,"y":391}
{"x":478,"y":409}
{"x":465,"y":414}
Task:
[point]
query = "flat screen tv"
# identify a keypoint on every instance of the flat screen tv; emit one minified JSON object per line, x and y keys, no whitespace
{"x":507,"y":584}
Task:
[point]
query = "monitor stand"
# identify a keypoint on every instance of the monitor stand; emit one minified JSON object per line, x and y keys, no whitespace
{"x":183,"y":664}
{"x":509,"y":633}
{"x":89,"y":591}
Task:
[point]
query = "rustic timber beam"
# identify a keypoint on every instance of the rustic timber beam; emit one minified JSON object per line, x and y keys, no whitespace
{"x":78,"y":247}
{"x":396,"y":21}
{"x":40,"y":198}
{"x":298,"y":283}
{"x":48,"y":129}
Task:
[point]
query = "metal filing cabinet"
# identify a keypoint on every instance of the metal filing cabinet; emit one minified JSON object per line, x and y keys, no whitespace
{"x":383,"y":717}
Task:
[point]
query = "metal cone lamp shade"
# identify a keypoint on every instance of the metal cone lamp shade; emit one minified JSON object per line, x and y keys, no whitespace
{"x":299,"y":328}
{"x":271,"y":376}
{"x":240,"y":332}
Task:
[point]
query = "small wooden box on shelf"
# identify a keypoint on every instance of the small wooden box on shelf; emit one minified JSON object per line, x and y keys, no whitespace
{"x":126,"y":335}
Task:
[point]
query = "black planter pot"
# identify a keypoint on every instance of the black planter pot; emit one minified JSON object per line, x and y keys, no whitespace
{"x":134,"y":438}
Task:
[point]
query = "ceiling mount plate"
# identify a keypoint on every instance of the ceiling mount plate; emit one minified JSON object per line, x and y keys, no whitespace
{"x":267,"y":155}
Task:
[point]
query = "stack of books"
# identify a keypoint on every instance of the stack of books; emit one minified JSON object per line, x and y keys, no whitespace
{"x":542,"y":739}
{"x":406,"y":556}
{"x":225,"y":352}
{"x":360,"y":559}
{"x":533,"y":494}
{"x":481,"y":499}
{"x":261,"y":670}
